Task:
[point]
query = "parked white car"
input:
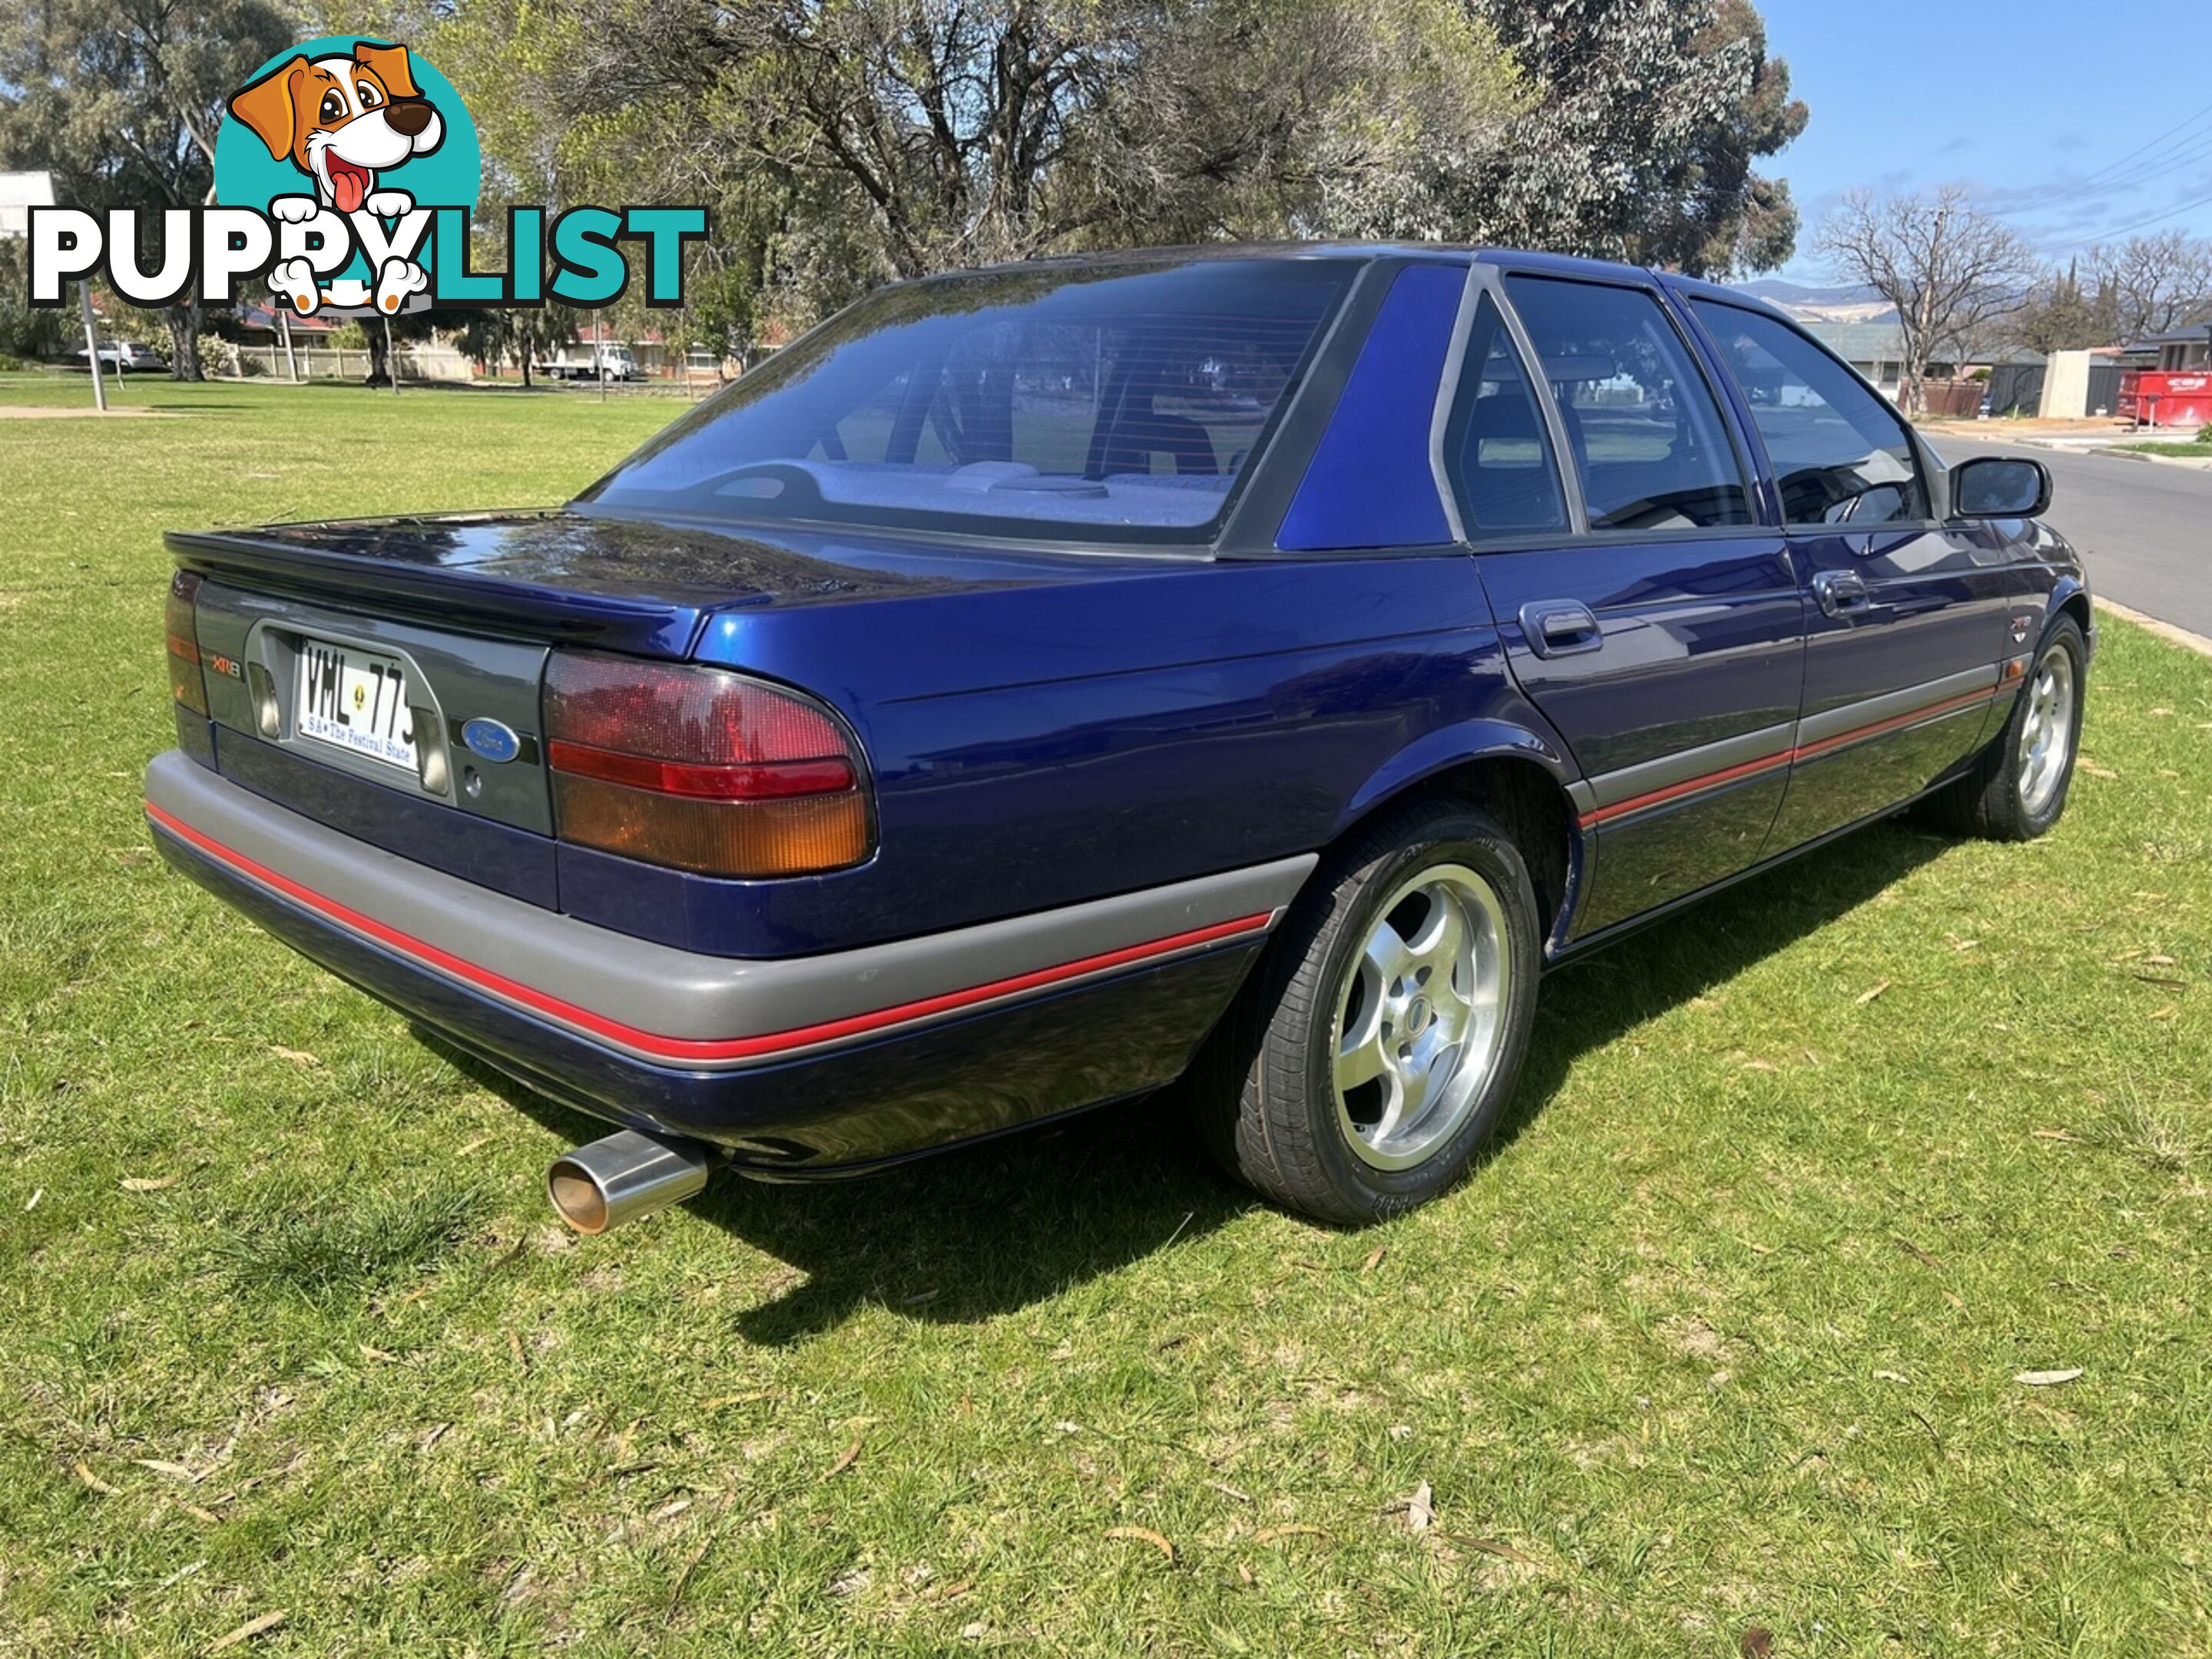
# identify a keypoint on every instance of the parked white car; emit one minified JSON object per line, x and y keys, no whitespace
{"x":128,"y":357}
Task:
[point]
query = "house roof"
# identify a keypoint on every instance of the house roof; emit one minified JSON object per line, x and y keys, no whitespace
{"x":1869,"y":342}
{"x":1860,"y":343}
{"x":2187,"y":334}
{"x":260,"y":316}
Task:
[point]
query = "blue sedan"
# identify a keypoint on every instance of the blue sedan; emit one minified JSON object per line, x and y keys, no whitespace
{"x":1244,"y":669}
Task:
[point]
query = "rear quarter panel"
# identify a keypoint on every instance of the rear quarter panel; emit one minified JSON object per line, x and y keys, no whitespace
{"x":1038,"y":746}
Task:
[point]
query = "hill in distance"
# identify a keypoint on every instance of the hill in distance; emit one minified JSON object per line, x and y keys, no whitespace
{"x":1840,"y":303}
{"x":1785,"y":293}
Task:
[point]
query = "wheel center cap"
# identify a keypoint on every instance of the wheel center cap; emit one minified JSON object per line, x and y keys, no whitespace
{"x":1417,"y":1016}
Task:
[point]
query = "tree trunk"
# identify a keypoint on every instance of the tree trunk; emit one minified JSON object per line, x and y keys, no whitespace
{"x":185,"y":342}
{"x":1916,"y":346}
{"x":377,"y":367}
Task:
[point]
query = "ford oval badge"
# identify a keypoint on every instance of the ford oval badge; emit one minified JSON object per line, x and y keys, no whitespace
{"x":493,"y":740}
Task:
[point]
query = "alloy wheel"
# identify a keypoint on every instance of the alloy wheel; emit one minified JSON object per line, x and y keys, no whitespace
{"x":2046,"y":735}
{"x":1419,"y":1021}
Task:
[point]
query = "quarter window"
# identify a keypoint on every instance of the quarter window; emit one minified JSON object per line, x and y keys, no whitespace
{"x":1649,"y":442}
{"x":1839,"y":454}
{"x":1503,"y":465}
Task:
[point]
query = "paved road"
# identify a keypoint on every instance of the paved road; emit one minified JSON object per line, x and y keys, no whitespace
{"x":2145,"y":530}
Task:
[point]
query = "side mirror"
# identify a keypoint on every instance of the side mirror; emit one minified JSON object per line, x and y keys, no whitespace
{"x":1999,"y":487}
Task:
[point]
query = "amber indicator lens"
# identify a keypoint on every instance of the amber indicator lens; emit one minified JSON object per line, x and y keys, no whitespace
{"x":186,"y":683}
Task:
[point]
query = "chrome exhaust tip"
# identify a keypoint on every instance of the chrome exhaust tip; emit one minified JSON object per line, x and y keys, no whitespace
{"x":597,"y":1188}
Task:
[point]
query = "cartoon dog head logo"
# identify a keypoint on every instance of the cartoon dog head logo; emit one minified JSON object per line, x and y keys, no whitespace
{"x":341,"y":120}
{"x":352,"y":147}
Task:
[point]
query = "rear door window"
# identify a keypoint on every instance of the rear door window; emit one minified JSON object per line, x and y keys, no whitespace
{"x":1649,"y":442}
{"x":1839,"y":453}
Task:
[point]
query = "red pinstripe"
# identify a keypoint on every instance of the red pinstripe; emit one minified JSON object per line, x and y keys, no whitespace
{"x":691,"y":1048}
{"x":1893,"y":722}
{"x":1687,"y":786}
{"x":1785,"y":757}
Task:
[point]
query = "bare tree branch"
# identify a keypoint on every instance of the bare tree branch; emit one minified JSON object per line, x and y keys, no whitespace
{"x":1950,"y":270}
{"x":2156,"y":283}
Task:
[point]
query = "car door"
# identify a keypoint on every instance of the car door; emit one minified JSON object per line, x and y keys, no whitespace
{"x":1648,"y":615}
{"x":1909,"y":622}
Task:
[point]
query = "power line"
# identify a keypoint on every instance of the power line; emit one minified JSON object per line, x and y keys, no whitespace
{"x":2155,"y":218}
{"x":2092,"y":236}
{"x":2198,"y":148}
{"x":2088,"y":181}
{"x":2193,"y":154}
{"x":2179,"y":162}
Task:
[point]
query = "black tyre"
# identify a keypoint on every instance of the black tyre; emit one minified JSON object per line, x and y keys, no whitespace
{"x":1375,"y":1049}
{"x":2016,"y":788}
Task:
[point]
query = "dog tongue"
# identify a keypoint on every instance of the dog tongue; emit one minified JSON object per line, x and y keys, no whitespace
{"x":349,"y":186}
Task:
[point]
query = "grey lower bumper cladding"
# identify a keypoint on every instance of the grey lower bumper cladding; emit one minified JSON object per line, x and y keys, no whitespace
{"x":674,"y":1006}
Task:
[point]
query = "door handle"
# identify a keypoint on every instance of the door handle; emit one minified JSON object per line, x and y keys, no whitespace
{"x":1842,"y":592}
{"x":1560,"y":628}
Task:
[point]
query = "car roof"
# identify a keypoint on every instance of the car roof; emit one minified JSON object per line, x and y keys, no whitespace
{"x":1563,"y":264}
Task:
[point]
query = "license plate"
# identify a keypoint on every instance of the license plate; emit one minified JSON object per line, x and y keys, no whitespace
{"x":354,"y":700}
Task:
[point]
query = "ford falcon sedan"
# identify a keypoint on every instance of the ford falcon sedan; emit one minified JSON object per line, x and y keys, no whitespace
{"x":1249,"y":669}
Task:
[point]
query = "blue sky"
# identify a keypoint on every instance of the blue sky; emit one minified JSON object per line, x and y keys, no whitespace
{"x":2034,"y":104}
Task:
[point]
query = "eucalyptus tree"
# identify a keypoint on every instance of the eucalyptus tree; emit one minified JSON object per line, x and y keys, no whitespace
{"x":121,"y":99}
{"x":1638,"y":141}
{"x":843,"y":143}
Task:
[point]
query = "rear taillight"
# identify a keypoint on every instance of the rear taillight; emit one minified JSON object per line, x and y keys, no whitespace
{"x":702,"y":769}
{"x":186,"y":683}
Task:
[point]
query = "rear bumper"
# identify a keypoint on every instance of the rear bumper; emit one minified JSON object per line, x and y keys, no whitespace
{"x":792,"y":1063}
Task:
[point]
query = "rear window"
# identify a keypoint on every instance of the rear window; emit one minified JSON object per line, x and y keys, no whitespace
{"x":1106,"y":403}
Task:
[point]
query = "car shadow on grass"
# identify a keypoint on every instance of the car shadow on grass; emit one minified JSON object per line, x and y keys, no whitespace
{"x":977,"y":1231}
{"x":1597,"y":999}
{"x":990,"y":1228}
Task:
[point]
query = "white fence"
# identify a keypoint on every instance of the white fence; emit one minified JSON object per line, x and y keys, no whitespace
{"x":416,"y":362}
{"x":435,"y":363}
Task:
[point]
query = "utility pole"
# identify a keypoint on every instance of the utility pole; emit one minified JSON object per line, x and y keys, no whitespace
{"x":91,"y":345}
{"x":390,"y":358}
{"x":284,"y":328}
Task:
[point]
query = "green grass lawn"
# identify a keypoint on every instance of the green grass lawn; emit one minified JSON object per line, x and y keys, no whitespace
{"x":1725,"y":1337}
{"x":2188,"y":451}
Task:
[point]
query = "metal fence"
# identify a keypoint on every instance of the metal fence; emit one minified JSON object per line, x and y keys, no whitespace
{"x":2016,"y":389}
{"x":2104,"y":389}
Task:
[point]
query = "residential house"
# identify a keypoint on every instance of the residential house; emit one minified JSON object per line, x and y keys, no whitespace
{"x":1877,"y":351}
{"x":19,"y":193}
{"x":2184,"y":350}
